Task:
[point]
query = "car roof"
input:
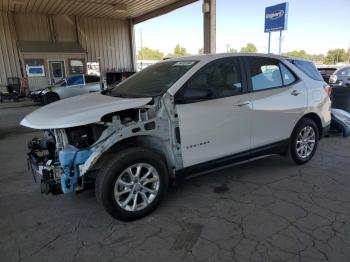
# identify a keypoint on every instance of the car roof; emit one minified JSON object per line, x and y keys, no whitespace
{"x":210,"y":57}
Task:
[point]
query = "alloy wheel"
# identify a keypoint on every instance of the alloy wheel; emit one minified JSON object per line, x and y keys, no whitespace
{"x":136,"y":187}
{"x":306,"y":141}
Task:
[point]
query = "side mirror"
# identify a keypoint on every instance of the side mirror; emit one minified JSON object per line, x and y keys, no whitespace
{"x":193,"y":95}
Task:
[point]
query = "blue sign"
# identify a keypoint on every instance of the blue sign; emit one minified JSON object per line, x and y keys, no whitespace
{"x":276,"y":17}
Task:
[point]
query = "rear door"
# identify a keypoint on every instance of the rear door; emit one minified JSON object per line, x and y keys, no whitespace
{"x":278,"y":100}
{"x":75,"y":86}
{"x":218,"y":125}
{"x":92,"y":83}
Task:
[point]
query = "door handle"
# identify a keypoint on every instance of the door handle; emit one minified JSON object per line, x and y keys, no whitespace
{"x":296,"y":92}
{"x":241,"y":103}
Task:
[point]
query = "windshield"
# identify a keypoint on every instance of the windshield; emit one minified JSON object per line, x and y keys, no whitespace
{"x":154,"y":80}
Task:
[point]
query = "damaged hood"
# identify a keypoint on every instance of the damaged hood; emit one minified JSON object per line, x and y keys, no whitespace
{"x":79,"y":110}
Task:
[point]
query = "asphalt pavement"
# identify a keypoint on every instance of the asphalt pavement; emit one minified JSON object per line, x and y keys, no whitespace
{"x":267,"y":210}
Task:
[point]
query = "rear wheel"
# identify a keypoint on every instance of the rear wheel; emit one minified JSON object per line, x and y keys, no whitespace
{"x":304,"y":141}
{"x":50,"y":98}
{"x":132,"y":183}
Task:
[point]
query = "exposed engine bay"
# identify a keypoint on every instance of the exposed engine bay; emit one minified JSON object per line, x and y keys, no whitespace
{"x":65,"y":159}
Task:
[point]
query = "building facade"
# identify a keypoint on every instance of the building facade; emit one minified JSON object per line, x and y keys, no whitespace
{"x":46,"y":48}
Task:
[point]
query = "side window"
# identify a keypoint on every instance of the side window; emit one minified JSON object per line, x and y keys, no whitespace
{"x":265,"y":73}
{"x":75,"y":80}
{"x":287,"y":76}
{"x":219,"y":79}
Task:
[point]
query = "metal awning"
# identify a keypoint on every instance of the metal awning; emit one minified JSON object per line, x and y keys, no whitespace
{"x":49,"y":47}
{"x":138,"y":10}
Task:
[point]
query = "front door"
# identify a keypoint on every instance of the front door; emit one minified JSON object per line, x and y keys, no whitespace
{"x":56,"y":69}
{"x":218,"y":124}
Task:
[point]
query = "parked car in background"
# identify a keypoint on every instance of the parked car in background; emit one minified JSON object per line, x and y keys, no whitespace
{"x":326,"y":72}
{"x":175,"y":119}
{"x":341,"y":77}
{"x":67,"y":87}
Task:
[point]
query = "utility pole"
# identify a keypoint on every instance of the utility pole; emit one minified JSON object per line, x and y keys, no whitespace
{"x":141,"y":44}
{"x":228,"y":48}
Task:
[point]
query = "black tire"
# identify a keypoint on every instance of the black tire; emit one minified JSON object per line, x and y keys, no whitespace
{"x":293,"y":152}
{"x":113,"y":168}
{"x":50,"y":98}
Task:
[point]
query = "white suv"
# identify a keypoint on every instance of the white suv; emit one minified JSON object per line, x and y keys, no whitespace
{"x":175,"y":119}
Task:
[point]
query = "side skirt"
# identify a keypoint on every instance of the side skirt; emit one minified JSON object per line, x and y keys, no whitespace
{"x":232,"y":160}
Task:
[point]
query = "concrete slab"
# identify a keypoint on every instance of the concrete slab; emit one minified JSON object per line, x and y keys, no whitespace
{"x":269,"y":210}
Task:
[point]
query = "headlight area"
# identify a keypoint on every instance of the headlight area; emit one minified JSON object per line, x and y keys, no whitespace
{"x":54,"y":158}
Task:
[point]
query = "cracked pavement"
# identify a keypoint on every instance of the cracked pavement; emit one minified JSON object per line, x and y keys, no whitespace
{"x":267,"y":210}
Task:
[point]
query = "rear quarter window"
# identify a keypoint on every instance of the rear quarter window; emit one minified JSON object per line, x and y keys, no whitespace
{"x":308,"y":68}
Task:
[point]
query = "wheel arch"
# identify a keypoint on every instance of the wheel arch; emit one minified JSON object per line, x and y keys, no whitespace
{"x":52,"y":93}
{"x":314,"y":117}
{"x":145,"y":141}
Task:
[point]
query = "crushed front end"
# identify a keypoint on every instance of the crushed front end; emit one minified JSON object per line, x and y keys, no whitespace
{"x":67,"y":159}
{"x":56,"y":157}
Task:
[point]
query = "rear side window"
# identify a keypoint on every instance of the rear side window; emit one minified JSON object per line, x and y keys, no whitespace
{"x":265,"y":73}
{"x":287,"y":76}
{"x":308,"y":68}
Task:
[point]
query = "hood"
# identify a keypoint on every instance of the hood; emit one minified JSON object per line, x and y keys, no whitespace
{"x":79,"y":110}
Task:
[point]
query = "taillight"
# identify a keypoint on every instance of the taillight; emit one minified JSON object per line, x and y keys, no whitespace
{"x":328,"y":90}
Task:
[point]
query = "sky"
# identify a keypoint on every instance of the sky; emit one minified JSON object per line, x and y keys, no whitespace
{"x":315,"y":26}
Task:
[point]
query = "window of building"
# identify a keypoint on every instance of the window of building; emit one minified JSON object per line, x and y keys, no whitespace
{"x":34,"y":67}
{"x":76,"y":66}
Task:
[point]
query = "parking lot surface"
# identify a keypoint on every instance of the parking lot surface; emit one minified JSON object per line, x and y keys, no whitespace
{"x":267,"y":210}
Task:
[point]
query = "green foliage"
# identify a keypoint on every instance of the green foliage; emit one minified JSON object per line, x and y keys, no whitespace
{"x":149,"y":54}
{"x":232,"y":50}
{"x":335,"y":56}
{"x":201,"y":51}
{"x":178,"y":51}
{"x":314,"y":57}
{"x":297,"y":53}
{"x":249,"y":48}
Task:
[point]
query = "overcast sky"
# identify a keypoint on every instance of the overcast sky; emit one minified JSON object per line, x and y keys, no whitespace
{"x":313,"y":25}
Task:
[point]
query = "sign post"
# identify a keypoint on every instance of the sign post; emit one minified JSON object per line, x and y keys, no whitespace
{"x":276,"y":18}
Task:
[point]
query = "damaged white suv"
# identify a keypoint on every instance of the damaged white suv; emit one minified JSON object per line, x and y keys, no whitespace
{"x":175,"y":119}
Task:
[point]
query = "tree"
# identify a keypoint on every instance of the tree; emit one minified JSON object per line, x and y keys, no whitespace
{"x":149,"y":54}
{"x":297,"y":53}
{"x":249,"y":48}
{"x":314,"y":57}
{"x":232,"y":50}
{"x":335,"y":56}
{"x":178,"y":51}
{"x":201,"y":51}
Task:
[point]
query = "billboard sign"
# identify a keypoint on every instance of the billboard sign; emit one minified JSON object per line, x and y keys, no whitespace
{"x":276,"y":17}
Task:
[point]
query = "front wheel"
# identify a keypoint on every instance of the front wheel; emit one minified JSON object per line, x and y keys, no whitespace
{"x":132,"y":183}
{"x":50,"y":97}
{"x":304,"y":141}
